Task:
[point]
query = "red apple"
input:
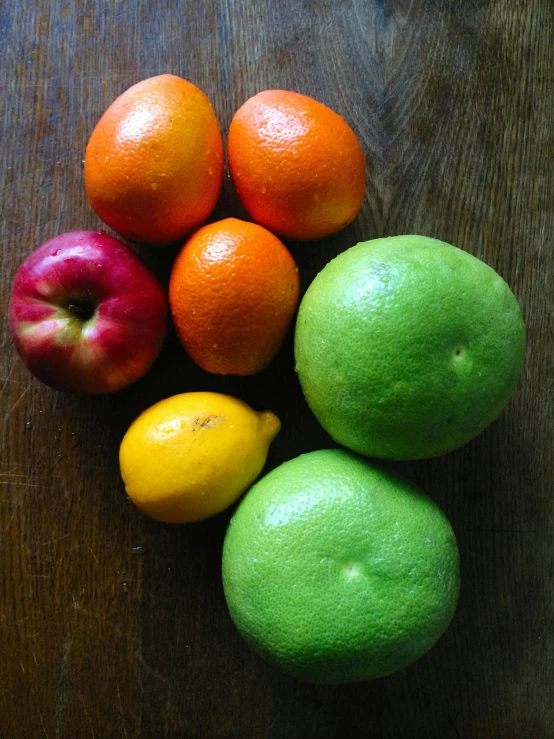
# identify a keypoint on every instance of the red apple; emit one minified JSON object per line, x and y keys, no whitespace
{"x":87,"y":316}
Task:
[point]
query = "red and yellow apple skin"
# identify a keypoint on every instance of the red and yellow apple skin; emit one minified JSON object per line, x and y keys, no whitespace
{"x":86,"y":315}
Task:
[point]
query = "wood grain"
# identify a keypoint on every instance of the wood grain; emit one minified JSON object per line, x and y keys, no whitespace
{"x":113,"y":625}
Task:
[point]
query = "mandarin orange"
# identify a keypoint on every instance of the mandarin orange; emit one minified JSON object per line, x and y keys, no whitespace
{"x":154,"y":162}
{"x":233,"y":292}
{"x":297,"y":166}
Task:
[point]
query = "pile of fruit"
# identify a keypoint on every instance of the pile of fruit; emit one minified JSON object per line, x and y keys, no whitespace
{"x":406,"y":348}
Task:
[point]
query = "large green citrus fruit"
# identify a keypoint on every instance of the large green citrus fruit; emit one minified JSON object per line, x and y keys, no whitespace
{"x":338,"y":571}
{"x":407,"y":347}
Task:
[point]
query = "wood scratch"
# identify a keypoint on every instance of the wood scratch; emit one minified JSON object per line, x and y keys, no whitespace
{"x":53,"y":541}
{"x":62,"y":686}
{"x":7,"y":379}
{"x":122,"y":713}
{"x":11,"y":473}
{"x":22,"y":668}
{"x":17,"y":402}
{"x":7,"y":526}
{"x":14,"y":406}
{"x":93,"y":554}
{"x":389,"y":97}
{"x":56,"y":463}
{"x":87,"y":715}
{"x":86,"y":544}
{"x":41,"y":720}
{"x":150,"y":670}
{"x":24,"y":484}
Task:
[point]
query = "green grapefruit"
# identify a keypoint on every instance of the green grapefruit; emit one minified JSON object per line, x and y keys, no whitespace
{"x":407,"y":347}
{"x":338,"y":571}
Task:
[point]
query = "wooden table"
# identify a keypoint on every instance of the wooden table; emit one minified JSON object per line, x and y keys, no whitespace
{"x":114,"y":625}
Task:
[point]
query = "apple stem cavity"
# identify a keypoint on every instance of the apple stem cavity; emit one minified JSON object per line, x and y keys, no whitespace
{"x":81,"y":309}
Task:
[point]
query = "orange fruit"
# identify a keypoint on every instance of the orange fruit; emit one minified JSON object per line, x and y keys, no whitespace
{"x":233,"y":293}
{"x":297,"y":166}
{"x":154,"y":162}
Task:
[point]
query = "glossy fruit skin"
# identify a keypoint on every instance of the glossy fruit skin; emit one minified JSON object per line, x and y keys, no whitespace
{"x":297,"y":166}
{"x":191,"y":456}
{"x":117,"y":344}
{"x":338,"y":571}
{"x":154,"y":162}
{"x":407,"y":347}
{"x":233,"y":293}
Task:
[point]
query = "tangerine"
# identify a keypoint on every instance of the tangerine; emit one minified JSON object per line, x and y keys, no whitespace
{"x":297,"y":166}
{"x":233,"y":292}
{"x":154,"y":162}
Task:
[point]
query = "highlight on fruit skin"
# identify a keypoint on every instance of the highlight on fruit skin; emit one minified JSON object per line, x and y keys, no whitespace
{"x":192,"y":455}
{"x":154,"y":162}
{"x":297,"y":166}
{"x":407,"y":347}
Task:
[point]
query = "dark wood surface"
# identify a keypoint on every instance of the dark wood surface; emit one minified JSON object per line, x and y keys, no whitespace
{"x":114,"y":625}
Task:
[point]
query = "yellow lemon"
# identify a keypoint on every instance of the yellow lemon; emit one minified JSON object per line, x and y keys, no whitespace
{"x":191,"y":456}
